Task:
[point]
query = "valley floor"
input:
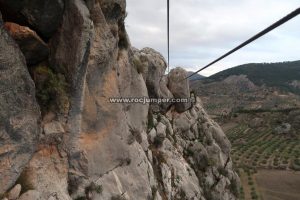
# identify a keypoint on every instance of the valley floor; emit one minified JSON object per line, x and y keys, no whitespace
{"x":268,"y":163}
{"x":278,"y":184}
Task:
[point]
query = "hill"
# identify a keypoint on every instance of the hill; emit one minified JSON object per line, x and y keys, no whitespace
{"x":282,"y":75}
{"x":258,"y":107}
{"x":195,"y":76}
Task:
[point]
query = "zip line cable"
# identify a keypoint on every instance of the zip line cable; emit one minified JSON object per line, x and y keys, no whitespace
{"x":258,"y":35}
{"x":168,"y":33}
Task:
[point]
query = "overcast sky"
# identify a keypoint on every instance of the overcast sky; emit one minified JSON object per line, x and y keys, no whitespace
{"x":202,"y":30}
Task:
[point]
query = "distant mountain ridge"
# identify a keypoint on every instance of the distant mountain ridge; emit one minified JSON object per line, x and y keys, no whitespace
{"x":251,"y":86}
{"x":283,"y":75}
{"x":195,"y":76}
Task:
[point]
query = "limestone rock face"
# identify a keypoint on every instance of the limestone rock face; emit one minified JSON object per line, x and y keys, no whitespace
{"x":43,"y":15}
{"x":32,"y":46}
{"x":113,"y":10}
{"x":100,"y":149}
{"x":30,"y":195}
{"x":19,"y":112}
{"x":153,"y":70}
{"x":47,"y":174}
{"x":179,"y":87}
{"x":15,"y":192}
{"x":191,"y":158}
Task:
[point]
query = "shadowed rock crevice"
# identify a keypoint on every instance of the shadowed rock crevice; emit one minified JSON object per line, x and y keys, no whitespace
{"x":43,"y":16}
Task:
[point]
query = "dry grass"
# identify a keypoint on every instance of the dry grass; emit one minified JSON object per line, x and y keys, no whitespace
{"x":278,"y":184}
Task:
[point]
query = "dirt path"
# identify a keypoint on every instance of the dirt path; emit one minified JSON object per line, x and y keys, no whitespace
{"x":278,"y":184}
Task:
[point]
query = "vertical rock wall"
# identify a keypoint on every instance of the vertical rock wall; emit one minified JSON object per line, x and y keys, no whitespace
{"x":103,"y":150}
{"x":19,"y":112}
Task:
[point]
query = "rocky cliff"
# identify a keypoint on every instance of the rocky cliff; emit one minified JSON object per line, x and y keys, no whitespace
{"x":61,"y":137}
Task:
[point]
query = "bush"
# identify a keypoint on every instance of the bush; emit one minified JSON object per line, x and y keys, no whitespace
{"x":254,"y":195}
{"x":250,"y":182}
{"x":158,"y":141}
{"x":234,"y":187}
{"x":51,"y":89}
{"x":93,"y":187}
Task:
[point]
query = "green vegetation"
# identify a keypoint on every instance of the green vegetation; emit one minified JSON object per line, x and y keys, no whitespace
{"x":51,"y":89}
{"x":234,"y":188}
{"x":263,"y":149}
{"x":93,"y":187}
{"x":270,"y":74}
{"x":260,"y":110}
{"x":260,"y":148}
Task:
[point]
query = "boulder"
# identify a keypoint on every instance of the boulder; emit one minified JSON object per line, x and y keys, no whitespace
{"x":199,"y":155}
{"x":179,"y":87}
{"x":53,"y":128}
{"x":30,"y":195}
{"x":161,"y":130}
{"x":144,"y":142}
{"x":220,"y":138}
{"x":153,"y":69}
{"x":44,"y":16}
{"x":32,"y":46}
{"x":152,"y":135}
{"x":15,"y":192}
{"x":19,"y":112}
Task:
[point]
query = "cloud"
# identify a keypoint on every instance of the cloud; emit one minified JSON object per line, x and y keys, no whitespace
{"x":202,"y":30}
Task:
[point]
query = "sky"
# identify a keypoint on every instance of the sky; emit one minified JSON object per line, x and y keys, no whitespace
{"x":203,"y":30}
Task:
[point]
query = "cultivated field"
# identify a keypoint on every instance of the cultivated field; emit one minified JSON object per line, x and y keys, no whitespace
{"x":266,"y":161}
{"x":278,"y":184}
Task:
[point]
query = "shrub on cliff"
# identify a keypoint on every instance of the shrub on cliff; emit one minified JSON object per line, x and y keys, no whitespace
{"x":51,"y":89}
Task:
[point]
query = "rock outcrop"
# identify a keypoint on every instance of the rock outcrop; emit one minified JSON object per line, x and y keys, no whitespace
{"x":152,"y":65}
{"x":42,"y":15}
{"x":32,"y":46}
{"x":104,"y":150}
{"x":19,"y":112}
{"x":179,"y":87}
